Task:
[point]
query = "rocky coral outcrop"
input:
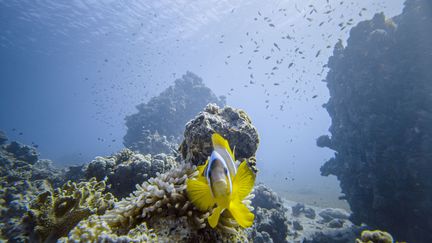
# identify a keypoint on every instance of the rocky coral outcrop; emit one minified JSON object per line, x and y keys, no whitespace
{"x":158,"y":125}
{"x":380,"y":95}
{"x":281,"y":220}
{"x":126,"y":169}
{"x":233,"y":124}
{"x":22,"y":177}
{"x":55,"y":212}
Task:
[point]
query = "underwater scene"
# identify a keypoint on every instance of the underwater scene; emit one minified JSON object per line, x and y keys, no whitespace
{"x":303,"y":121}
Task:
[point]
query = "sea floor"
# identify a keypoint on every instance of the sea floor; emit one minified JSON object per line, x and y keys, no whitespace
{"x":326,"y":197}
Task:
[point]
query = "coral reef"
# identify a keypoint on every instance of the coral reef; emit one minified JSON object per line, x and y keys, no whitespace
{"x":160,"y":203}
{"x":55,"y":212}
{"x":126,"y":169}
{"x":380,"y":86}
{"x":233,"y":124}
{"x":22,"y":177}
{"x":158,"y":124}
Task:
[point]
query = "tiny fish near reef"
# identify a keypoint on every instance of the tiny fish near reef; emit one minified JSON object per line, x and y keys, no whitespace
{"x":220,"y":182}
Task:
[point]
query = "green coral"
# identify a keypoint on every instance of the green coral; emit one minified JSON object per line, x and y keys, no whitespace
{"x":374,"y":236}
{"x":55,"y":212}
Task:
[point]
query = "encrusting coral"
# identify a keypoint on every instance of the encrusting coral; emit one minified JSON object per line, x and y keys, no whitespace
{"x":55,"y":212}
{"x":375,"y":236}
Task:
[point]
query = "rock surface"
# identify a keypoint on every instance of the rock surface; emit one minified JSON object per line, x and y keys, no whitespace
{"x":233,"y":124}
{"x":126,"y":169}
{"x":280,"y":220}
{"x":380,"y":105}
{"x":158,"y":125}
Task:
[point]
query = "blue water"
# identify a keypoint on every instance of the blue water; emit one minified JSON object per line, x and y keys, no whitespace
{"x":71,"y":71}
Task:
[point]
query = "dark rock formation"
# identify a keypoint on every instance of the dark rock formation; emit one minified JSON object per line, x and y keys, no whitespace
{"x":3,"y":137}
{"x":233,"y":124}
{"x":271,"y":220}
{"x":380,"y":104}
{"x":126,"y":169}
{"x":22,"y":152}
{"x":159,"y":124}
{"x":280,"y":220}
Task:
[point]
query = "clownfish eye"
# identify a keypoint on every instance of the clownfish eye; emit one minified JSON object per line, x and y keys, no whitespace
{"x":226,"y":170}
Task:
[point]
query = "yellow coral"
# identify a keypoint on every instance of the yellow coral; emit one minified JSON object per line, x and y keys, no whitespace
{"x":54,"y":213}
{"x":375,"y":236}
{"x":95,"y":230}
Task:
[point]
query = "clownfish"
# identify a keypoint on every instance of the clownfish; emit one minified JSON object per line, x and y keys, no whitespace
{"x":222,"y":184}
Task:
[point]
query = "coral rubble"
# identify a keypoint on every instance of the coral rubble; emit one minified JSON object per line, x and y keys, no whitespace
{"x":158,"y":125}
{"x":233,"y":124}
{"x":126,"y":169}
{"x":380,"y":105}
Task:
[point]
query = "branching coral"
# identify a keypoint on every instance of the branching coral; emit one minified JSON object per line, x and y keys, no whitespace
{"x":161,"y":195}
{"x":54,"y":213}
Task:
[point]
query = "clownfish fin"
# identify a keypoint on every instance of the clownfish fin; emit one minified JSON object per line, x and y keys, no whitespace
{"x":201,"y":168}
{"x":243,"y":181}
{"x":219,"y":141}
{"x":200,"y":193}
{"x":213,"y":219}
{"x":241,"y":213}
